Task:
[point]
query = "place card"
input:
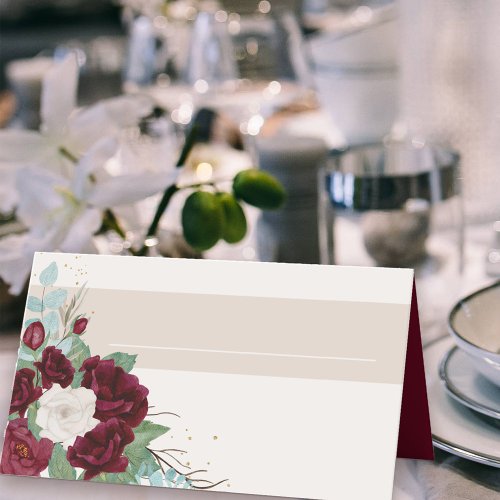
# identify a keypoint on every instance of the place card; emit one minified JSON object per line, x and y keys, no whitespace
{"x":243,"y":377}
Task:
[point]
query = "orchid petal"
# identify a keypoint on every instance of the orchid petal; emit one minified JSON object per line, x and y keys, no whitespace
{"x":59,"y":95}
{"x":21,"y":145}
{"x":37,"y":194}
{"x":95,"y":159}
{"x":126,"y":189}
{"x":107,"y":118}
{"x":15,"y":263}
{"x":81,"y":231}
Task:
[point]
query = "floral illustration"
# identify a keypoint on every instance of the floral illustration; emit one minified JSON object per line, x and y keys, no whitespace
{"x":78,"y":416}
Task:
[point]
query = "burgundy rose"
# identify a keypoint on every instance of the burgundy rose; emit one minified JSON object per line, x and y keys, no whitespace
{"x":34,"y":335}
{"x":100,"y":450}
{"x":119,"y":394}
{"x":24,"y":391}
{"x":80,"y":326}
{"x":55,"y":367}
{"x":22,"y":454}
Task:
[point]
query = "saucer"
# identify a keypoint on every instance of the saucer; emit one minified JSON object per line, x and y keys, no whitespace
{"x":455,"y":428}
{"x":467,"y":386}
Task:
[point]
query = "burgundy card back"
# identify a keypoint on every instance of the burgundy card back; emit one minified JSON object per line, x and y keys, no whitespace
{"x":415,"y":439}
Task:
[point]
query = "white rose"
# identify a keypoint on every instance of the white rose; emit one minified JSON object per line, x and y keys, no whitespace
{"x":66,"y":413}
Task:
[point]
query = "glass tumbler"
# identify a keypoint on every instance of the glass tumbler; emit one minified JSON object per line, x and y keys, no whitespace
{"x":393,"y":204}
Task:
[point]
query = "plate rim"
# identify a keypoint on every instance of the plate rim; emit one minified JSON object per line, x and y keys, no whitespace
{"x":454,"y":448}
{"x":454,"y":392}
{"x":459,"y":305}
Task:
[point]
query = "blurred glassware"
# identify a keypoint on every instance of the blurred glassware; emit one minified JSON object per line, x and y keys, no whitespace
{"x":25,"y":78}
{"x":450,"y":76}
{"x":493,"y":253}
{"x":356,"y":73}
{"x":396,"y":204}
{"x":246,"y":65}
{"x":101,"y":62}
{"x":295,"y":162}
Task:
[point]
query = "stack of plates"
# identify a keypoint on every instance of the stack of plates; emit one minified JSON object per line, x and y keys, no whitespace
{"x":464,"y":404}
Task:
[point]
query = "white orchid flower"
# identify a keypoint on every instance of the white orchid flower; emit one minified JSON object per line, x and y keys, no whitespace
{"x":63,"y":214}
{"x":63,"y":129}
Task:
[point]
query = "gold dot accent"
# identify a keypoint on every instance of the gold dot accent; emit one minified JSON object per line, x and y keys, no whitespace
{"x":190,"y":438}
{"x":216,"y":437}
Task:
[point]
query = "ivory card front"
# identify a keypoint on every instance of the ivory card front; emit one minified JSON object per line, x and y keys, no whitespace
{"x":242,"y":377}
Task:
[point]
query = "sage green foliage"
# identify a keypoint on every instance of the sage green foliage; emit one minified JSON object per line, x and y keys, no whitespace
{"x":259,"y":189}
{"x":59,"y":466}
{"x":235,"y":223}
{"x":126,"y":361}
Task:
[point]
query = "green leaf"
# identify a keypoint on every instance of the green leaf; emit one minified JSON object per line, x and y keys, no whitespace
{"x":78,"y":353}
{"x":34,"y":304}
{"x":55,"y":299}
{"x":32,"y":425}
{"x":126,"y":477}
{"x":22,"y":363}
{"x":49,"y":275}
{"x":77,"y":380}
{"x":25,"y":353}
{"x":13,"y":416}
{"x":148,"y":431}
{"x":59,"y":466}
{"x":51,"y":323}
{"x":126,"y":361}
{"x":136,"y":455}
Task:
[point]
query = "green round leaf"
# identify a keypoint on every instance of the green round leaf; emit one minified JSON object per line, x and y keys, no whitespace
{"x":202,"y":220}
{"x":259,"y":189}
{"x":235,"y":223}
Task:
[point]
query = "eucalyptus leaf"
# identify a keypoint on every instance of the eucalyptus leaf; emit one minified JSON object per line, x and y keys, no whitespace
{"x":49,"y":275}
{"x":25,"y":353}
{"x":51,"y":323}
{"x":126,"y":361}
{"x":170,"y":474}
{"x":28,"y":322}
{"x":34,"y":304}
{"x":156,"y":479}
{"x":55,"y":299}
{"x":65,"y":345}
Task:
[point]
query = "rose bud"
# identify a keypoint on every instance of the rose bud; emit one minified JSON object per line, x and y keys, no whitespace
{"x":80,"y":326}
{"x":34,"y":335}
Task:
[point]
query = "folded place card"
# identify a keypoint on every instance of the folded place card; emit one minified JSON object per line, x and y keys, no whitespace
{"x":272,"y":379}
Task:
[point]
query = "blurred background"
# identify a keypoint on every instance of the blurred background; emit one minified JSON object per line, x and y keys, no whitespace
{"x":380,"y":119}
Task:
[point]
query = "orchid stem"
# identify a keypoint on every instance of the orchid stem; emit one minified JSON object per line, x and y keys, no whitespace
{"x":191,"y":140}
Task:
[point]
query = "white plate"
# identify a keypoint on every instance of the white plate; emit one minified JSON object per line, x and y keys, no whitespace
{"x":464,"y":383}
{"x":455,"y":428}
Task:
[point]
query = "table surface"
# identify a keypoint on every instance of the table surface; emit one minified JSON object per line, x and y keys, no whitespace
{"x":413,"y":480}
